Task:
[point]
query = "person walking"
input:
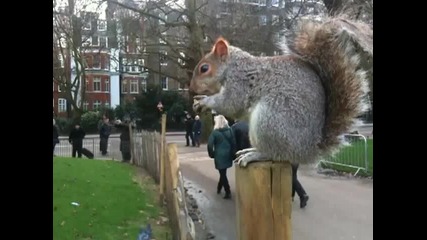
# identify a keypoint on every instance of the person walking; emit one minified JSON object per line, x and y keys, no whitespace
{"x":241,"y":133}
{"x":197,"y":130}
{"x":125,"y":147}
{"x":76,"y":139}
{"x":297,"y":187}
{"x":104,"y":134}
{"x":189,"y":130}
{"x":222,"y":148}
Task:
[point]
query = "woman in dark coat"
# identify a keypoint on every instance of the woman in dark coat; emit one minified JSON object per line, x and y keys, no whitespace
{"x":55,"y":136}
{"x":222,"y":147}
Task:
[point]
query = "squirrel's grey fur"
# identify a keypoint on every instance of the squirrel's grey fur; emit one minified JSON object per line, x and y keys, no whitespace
{"x":297,"y":104}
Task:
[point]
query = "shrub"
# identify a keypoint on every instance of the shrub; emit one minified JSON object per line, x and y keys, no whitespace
{"x":64,"y":125}
{"x":90,"y":121}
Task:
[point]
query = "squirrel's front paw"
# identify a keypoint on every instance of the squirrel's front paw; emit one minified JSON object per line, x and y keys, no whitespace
{"x":197,"y":107}
{"x":198,"y":104}
{"x":244,"y":151}
{"x":250,"y":156}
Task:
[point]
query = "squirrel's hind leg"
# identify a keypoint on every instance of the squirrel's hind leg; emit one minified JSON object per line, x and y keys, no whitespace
{"x":253,"y":156}
{"x":244,"y":151}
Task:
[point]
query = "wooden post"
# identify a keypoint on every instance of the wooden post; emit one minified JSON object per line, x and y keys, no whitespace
{"x":264,"y":201}
{"x":162,"y":157}
{"x":132,"y":145}
{"x":173,"y":167}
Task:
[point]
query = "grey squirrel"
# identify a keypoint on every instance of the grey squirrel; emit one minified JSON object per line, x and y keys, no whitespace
{"x":297,"y":104}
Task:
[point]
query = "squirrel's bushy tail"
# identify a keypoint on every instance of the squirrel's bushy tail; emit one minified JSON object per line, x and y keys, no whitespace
{"x":334,"y":48}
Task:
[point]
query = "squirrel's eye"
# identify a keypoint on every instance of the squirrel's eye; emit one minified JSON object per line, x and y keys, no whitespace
{"x":204,"y":68}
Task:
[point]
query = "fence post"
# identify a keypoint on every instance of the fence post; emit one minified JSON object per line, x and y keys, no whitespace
{"x":93,"y":145}
{"x":162,"y":157}
{"x":264,"y":201}
{"x":132,"y":144}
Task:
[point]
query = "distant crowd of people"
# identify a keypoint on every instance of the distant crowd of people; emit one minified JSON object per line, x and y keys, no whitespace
{"x":193,"y":130}
{"x":77,"y":134}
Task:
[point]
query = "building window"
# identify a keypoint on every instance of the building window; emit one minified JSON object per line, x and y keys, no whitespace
{"x":163,"y":58}
{"x":96,"y":84}
{"x":141,"y":64}
{"x":132,"y":68}
{"x":275,"y":19}
{"x":262,"y":20}
{"x":87,"y":85}
{"x":102,"y":25}
{"x":96,"y":61}
{"x":107,"y":105}
{"x":124,"y":63}
{"x":128,"y":46}
{"x":86,"y":41}
{"x":89,"y":61}
{"x":259,"y":2}
{"x":125,"y":86}
{"x":144,"y":84}
{"x":95,"y":41}
{"x":106,"y":63}
{"x":103,"y":42}
{"x":87,"y":25}
{"x":62,"y":105}
{"x":85,"y":106}
{"x":134,"y":86}
{"x":96,"y":105}
{"x":165,"y":83}
{"x":107,"y":85}
{"x":138,"y":44}
{"x":275,"y":3}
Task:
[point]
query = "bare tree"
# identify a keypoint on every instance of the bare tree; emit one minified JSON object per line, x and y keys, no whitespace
{"x":69,"y":62}
{"x":168,"y":27}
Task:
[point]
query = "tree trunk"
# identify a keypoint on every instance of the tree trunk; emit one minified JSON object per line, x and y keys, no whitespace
{"x":77,"y":116}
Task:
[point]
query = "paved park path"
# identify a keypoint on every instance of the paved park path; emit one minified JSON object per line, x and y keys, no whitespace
{"x":339,"y":208}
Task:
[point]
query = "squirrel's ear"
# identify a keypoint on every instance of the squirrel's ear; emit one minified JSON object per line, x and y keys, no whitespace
{"x":220,"y":49}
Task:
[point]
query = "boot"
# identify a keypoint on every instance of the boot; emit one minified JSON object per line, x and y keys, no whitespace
{"x":227,"y":195}
{"x":218,"y":189}
{"x":303,"y":201}
{"x":227,"y":192}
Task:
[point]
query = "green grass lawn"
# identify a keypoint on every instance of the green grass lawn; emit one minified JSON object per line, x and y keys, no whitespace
{"x":349,"y":151}
{"x":115,"y":201}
